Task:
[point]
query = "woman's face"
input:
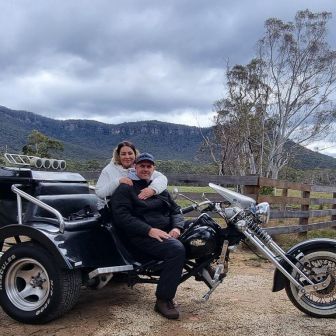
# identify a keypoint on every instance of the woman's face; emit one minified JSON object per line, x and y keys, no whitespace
{"x":127,"y":156}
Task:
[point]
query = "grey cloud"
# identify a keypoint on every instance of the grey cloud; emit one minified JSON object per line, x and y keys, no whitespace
{"x":101,"y":57}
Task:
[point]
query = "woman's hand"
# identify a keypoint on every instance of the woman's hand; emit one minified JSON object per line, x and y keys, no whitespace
{"x":126,"y":180}
{"x":146,"y":193}
{"x":175,"y":233}
{"x":158,"y":234}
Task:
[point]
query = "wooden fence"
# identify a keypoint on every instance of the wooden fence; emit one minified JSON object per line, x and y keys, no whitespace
{"x":295,"y":207}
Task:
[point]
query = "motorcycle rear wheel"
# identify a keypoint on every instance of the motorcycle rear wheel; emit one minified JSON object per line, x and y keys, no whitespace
{"x":318,"y":265}
{"x":33,"y":288}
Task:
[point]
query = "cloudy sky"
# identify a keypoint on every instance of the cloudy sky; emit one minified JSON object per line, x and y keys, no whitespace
{"x":129,"y":60}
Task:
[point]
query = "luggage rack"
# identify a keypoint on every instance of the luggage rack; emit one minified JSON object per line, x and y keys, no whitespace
{"x":34,"y":161}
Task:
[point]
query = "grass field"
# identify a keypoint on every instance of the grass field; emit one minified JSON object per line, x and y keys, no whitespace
{"x":191,"y":189}
{"x":289,"y":240}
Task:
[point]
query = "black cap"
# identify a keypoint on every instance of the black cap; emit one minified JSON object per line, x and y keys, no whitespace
{"x":145,"y":157}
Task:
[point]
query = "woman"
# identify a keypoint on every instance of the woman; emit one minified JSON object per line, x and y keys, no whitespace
{"x":118,"y":170}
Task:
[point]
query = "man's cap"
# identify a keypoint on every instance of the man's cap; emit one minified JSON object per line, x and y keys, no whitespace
{"x":145,"y":157}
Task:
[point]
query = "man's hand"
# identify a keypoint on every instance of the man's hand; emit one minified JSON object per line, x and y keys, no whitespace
{"x":126,"y":180}
{"x":146,"y":193}
{"x":158,"y":234}
{"x":175,"y":233}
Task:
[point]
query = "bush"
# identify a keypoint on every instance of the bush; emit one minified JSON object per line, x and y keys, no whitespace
{"x":268,"y":191}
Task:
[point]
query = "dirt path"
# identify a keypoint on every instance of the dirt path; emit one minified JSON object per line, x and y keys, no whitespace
{"x":242,"y":305}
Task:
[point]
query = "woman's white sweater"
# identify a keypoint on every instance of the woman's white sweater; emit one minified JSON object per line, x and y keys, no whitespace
{"x":109,"y":178}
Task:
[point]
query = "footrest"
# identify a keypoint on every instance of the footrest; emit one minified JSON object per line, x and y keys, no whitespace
{"x":113,"y":269}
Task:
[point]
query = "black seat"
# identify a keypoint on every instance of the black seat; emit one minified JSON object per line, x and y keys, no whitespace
{"x":67,"y":205}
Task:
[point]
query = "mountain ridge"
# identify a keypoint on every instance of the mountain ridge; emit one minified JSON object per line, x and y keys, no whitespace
{"x":95,"y":140}
{"x":166,"y":141}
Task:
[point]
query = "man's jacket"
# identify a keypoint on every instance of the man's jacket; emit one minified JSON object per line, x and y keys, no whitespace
{"x":136,"y":217}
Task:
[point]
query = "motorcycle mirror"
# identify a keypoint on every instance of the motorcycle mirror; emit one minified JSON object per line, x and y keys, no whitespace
{"x":175,"y":193}
{"x":204,"y":196}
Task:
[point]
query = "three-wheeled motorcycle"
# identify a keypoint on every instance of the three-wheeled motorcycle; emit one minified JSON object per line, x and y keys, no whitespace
{"x":53,"y":241}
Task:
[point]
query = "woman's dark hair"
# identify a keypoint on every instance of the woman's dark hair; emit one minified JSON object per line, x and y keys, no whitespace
{"x":116,"y":152}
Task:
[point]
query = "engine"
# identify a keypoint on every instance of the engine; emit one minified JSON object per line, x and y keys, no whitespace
{"x":201,"y":238}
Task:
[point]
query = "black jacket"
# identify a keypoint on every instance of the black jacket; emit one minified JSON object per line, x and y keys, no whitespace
{"x":136,"y":217}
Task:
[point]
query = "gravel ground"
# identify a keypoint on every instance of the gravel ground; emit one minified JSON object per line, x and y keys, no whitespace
{"x":242,"y":305}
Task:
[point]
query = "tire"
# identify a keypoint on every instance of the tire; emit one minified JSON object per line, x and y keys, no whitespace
{"x":318,"y":265}
{"x":33,"y":288}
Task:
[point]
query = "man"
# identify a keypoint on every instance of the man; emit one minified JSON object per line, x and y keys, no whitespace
{"x":152,"y":226}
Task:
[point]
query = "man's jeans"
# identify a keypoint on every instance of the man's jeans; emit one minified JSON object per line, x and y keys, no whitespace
{"x":172,"y":252}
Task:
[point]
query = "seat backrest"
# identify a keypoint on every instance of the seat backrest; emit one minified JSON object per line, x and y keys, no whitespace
{"x":67,"y":205}
{"x":61,"y":188}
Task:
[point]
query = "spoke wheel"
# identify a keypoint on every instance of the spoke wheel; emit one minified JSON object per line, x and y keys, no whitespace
{"x":33,"y":288}
{"x":319,"y":266}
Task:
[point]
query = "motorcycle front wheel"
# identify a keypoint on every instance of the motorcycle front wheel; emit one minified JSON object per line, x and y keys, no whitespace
{"x":317,"y":265}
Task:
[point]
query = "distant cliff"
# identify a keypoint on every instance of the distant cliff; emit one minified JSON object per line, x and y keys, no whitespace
{"x":86,"y":139}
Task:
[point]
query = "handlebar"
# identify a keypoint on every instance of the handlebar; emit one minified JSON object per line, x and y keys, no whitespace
{"x":188,"y":209}
{"x":194,"y":207}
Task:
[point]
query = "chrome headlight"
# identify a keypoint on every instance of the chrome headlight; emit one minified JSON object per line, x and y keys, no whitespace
{"x":263,"y":212}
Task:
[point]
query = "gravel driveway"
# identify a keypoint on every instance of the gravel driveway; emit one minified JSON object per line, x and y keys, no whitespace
{"x":242,"y":305}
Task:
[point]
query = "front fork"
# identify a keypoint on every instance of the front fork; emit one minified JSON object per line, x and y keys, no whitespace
{"x":273,"y":251}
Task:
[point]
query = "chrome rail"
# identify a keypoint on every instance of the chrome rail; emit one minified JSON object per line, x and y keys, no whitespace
{"x":18,"y":159}
{"x":20,"y":193}
{"x":270,"y":256}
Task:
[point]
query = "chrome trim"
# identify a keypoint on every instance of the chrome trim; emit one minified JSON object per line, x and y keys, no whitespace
{"x":266,"y":244}
{"x":278,"y":249}
{"x":19,"y":208}
{"x":20,"y":193}
{"x":18,"y":159}
{"x":103,"y":280}
{"x":221,"y":260}
{"x":112,"y":269}
{"x":316,"y":287}
{"x":271,"y":257}
{"x":263,"y":212}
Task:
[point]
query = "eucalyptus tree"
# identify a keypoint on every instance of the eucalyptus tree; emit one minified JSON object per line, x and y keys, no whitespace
{"x":41,"y":145}
{"x":301,"y":75}
{"x":240,"y":122}
{"x":280,"y":99}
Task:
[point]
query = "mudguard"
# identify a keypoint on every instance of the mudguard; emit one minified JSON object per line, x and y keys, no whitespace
{"x":79,"y":249}
{"x":16,"y":230}
{"x":279,"y":280}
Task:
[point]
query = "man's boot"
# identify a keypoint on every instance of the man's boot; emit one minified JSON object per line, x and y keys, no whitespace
{"x":167,"y":308}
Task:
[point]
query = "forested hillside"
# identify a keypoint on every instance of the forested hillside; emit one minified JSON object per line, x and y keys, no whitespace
{"x":86,"y":140}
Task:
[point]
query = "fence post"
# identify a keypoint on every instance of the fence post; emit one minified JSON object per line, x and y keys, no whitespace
{"x":284,"y":194}
{"x":252,"y":190}
{"x":333,"y":217}
{"x":304,"y":220}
